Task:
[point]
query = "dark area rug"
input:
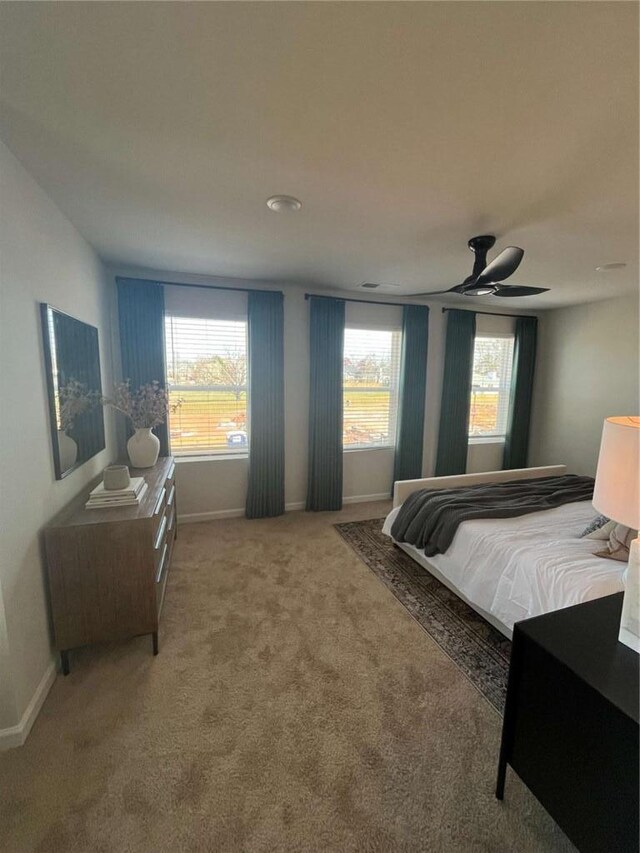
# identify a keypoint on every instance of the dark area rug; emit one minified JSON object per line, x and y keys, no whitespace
{"x":481,"y":652}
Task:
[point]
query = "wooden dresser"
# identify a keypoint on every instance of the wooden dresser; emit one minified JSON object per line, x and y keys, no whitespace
{"x":108,"y":567}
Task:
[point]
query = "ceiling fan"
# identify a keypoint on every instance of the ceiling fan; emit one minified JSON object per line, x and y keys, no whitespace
{"x":486,"y":279}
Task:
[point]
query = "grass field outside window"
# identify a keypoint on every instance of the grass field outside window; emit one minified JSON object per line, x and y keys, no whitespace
{"x":491,"y":386}
{"x":207,"y":371}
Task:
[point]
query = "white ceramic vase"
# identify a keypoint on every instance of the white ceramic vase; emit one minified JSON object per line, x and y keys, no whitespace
{"x":67,"y":451}
{"x":143,"y":448}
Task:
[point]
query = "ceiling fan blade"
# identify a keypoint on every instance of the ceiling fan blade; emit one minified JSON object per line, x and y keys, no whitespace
{"x":501,"y":267}
{"x":518,"y":290}
{"x":459,"y":288}
{"x":430,"y":293}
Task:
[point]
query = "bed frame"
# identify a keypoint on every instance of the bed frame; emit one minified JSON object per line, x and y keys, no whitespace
{"x":403,"y":488}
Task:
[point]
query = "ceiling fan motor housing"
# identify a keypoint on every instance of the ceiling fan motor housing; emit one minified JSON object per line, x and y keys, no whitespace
{"x":482,"y":243}
{"x":479,"y":246}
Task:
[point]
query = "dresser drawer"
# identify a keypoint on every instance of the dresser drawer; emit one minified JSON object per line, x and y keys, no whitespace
{"x":171,"y":478}
{"x":172,"y":522}
{"x":163,"y":561}
{"x":160,"y":535}
{"x":161,"y":576}
{"x":171,"y":496}
{"x":158,"y":512}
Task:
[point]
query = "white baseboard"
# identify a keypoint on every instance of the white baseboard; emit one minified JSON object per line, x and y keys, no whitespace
{"x":16,"y":735}
{"x":365,"y":499}
{"x":191,"y":518}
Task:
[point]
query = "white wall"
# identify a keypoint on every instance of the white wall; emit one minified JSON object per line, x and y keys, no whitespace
{"x":218,"y":486}
{"x":587,"y":370}
{"x":44,"y":259}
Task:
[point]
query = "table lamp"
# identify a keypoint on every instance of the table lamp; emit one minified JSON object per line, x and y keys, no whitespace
{"x":616,"y":495}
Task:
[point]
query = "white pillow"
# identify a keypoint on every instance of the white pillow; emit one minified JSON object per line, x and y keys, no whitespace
{"x":619,"y":543}
{"x":602,"y":533}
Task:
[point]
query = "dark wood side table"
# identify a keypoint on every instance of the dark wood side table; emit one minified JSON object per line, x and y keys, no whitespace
{"x":571,"y":723}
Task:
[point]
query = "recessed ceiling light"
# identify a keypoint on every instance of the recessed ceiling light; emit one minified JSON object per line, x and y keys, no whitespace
{"x":283,"y":203}
{"x":618,"y":265}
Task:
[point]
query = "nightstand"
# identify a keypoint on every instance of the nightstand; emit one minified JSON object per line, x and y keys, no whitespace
{"x":571,"y":723}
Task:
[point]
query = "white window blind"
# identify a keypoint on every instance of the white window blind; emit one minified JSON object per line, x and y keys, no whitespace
{"x":207,"y":369}
{"x":370,"y":387}
{"x":491,"y":384}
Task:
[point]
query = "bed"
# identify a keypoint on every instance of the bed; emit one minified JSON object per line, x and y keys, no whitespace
{"x":513,"y":568}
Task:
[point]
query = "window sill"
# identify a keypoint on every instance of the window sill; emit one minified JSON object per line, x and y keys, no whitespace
{"x":486,"y":439}
{"x":211,"y":457}
{"x":367,"y":449}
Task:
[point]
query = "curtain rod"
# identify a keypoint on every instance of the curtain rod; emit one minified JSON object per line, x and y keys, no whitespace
{"x":203,"y":286}
{"x":489,"y":313}
{"x":306,"y":296}
{"x":402,"y":304}
{"x":362,"y":301}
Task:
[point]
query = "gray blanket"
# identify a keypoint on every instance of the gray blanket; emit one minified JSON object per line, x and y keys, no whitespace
{"x":429,"y":519}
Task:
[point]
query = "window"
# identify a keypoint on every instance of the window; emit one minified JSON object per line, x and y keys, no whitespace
{"x":490,"y":387}
{"x":370,"y":387}
{"x":207,"y":369}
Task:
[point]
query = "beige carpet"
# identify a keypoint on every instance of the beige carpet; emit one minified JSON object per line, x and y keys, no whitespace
{"x":295,"y":705}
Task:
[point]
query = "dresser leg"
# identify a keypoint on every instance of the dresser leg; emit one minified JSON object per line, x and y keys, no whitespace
{"x":510,"y":709}
{"x":64,"y":660}
{"x":154,"y":637}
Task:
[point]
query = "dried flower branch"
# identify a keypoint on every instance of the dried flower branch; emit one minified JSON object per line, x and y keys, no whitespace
{"x":145,"y":407}
{"x":74,"y":399}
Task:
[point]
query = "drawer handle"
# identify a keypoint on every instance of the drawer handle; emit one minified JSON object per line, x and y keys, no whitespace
{"x":171,"y":472}
{"x":159,"y":502}
{"x":161,"y":530}
{"x":171,"y":520}
{"x":171,"y":495}
{"x":161,"y":566}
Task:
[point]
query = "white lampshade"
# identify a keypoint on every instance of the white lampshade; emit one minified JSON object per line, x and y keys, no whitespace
{"x":616,"y":492}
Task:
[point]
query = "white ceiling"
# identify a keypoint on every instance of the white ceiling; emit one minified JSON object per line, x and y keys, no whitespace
{"x":161,"y":128}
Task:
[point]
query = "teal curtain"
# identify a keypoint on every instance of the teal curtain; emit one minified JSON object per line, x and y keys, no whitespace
{"x":453,"y":436}
{"x":411,"y":402}
{"x":326,"y":348}
{"x":524,"y":359}
{"x":141,"y":320}
{"x":265,"y":495}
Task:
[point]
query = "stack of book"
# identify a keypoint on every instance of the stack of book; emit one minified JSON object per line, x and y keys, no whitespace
{"x":131,"y":496}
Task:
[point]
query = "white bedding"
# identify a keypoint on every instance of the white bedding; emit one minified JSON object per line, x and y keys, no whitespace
{"x":514,"y":568}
